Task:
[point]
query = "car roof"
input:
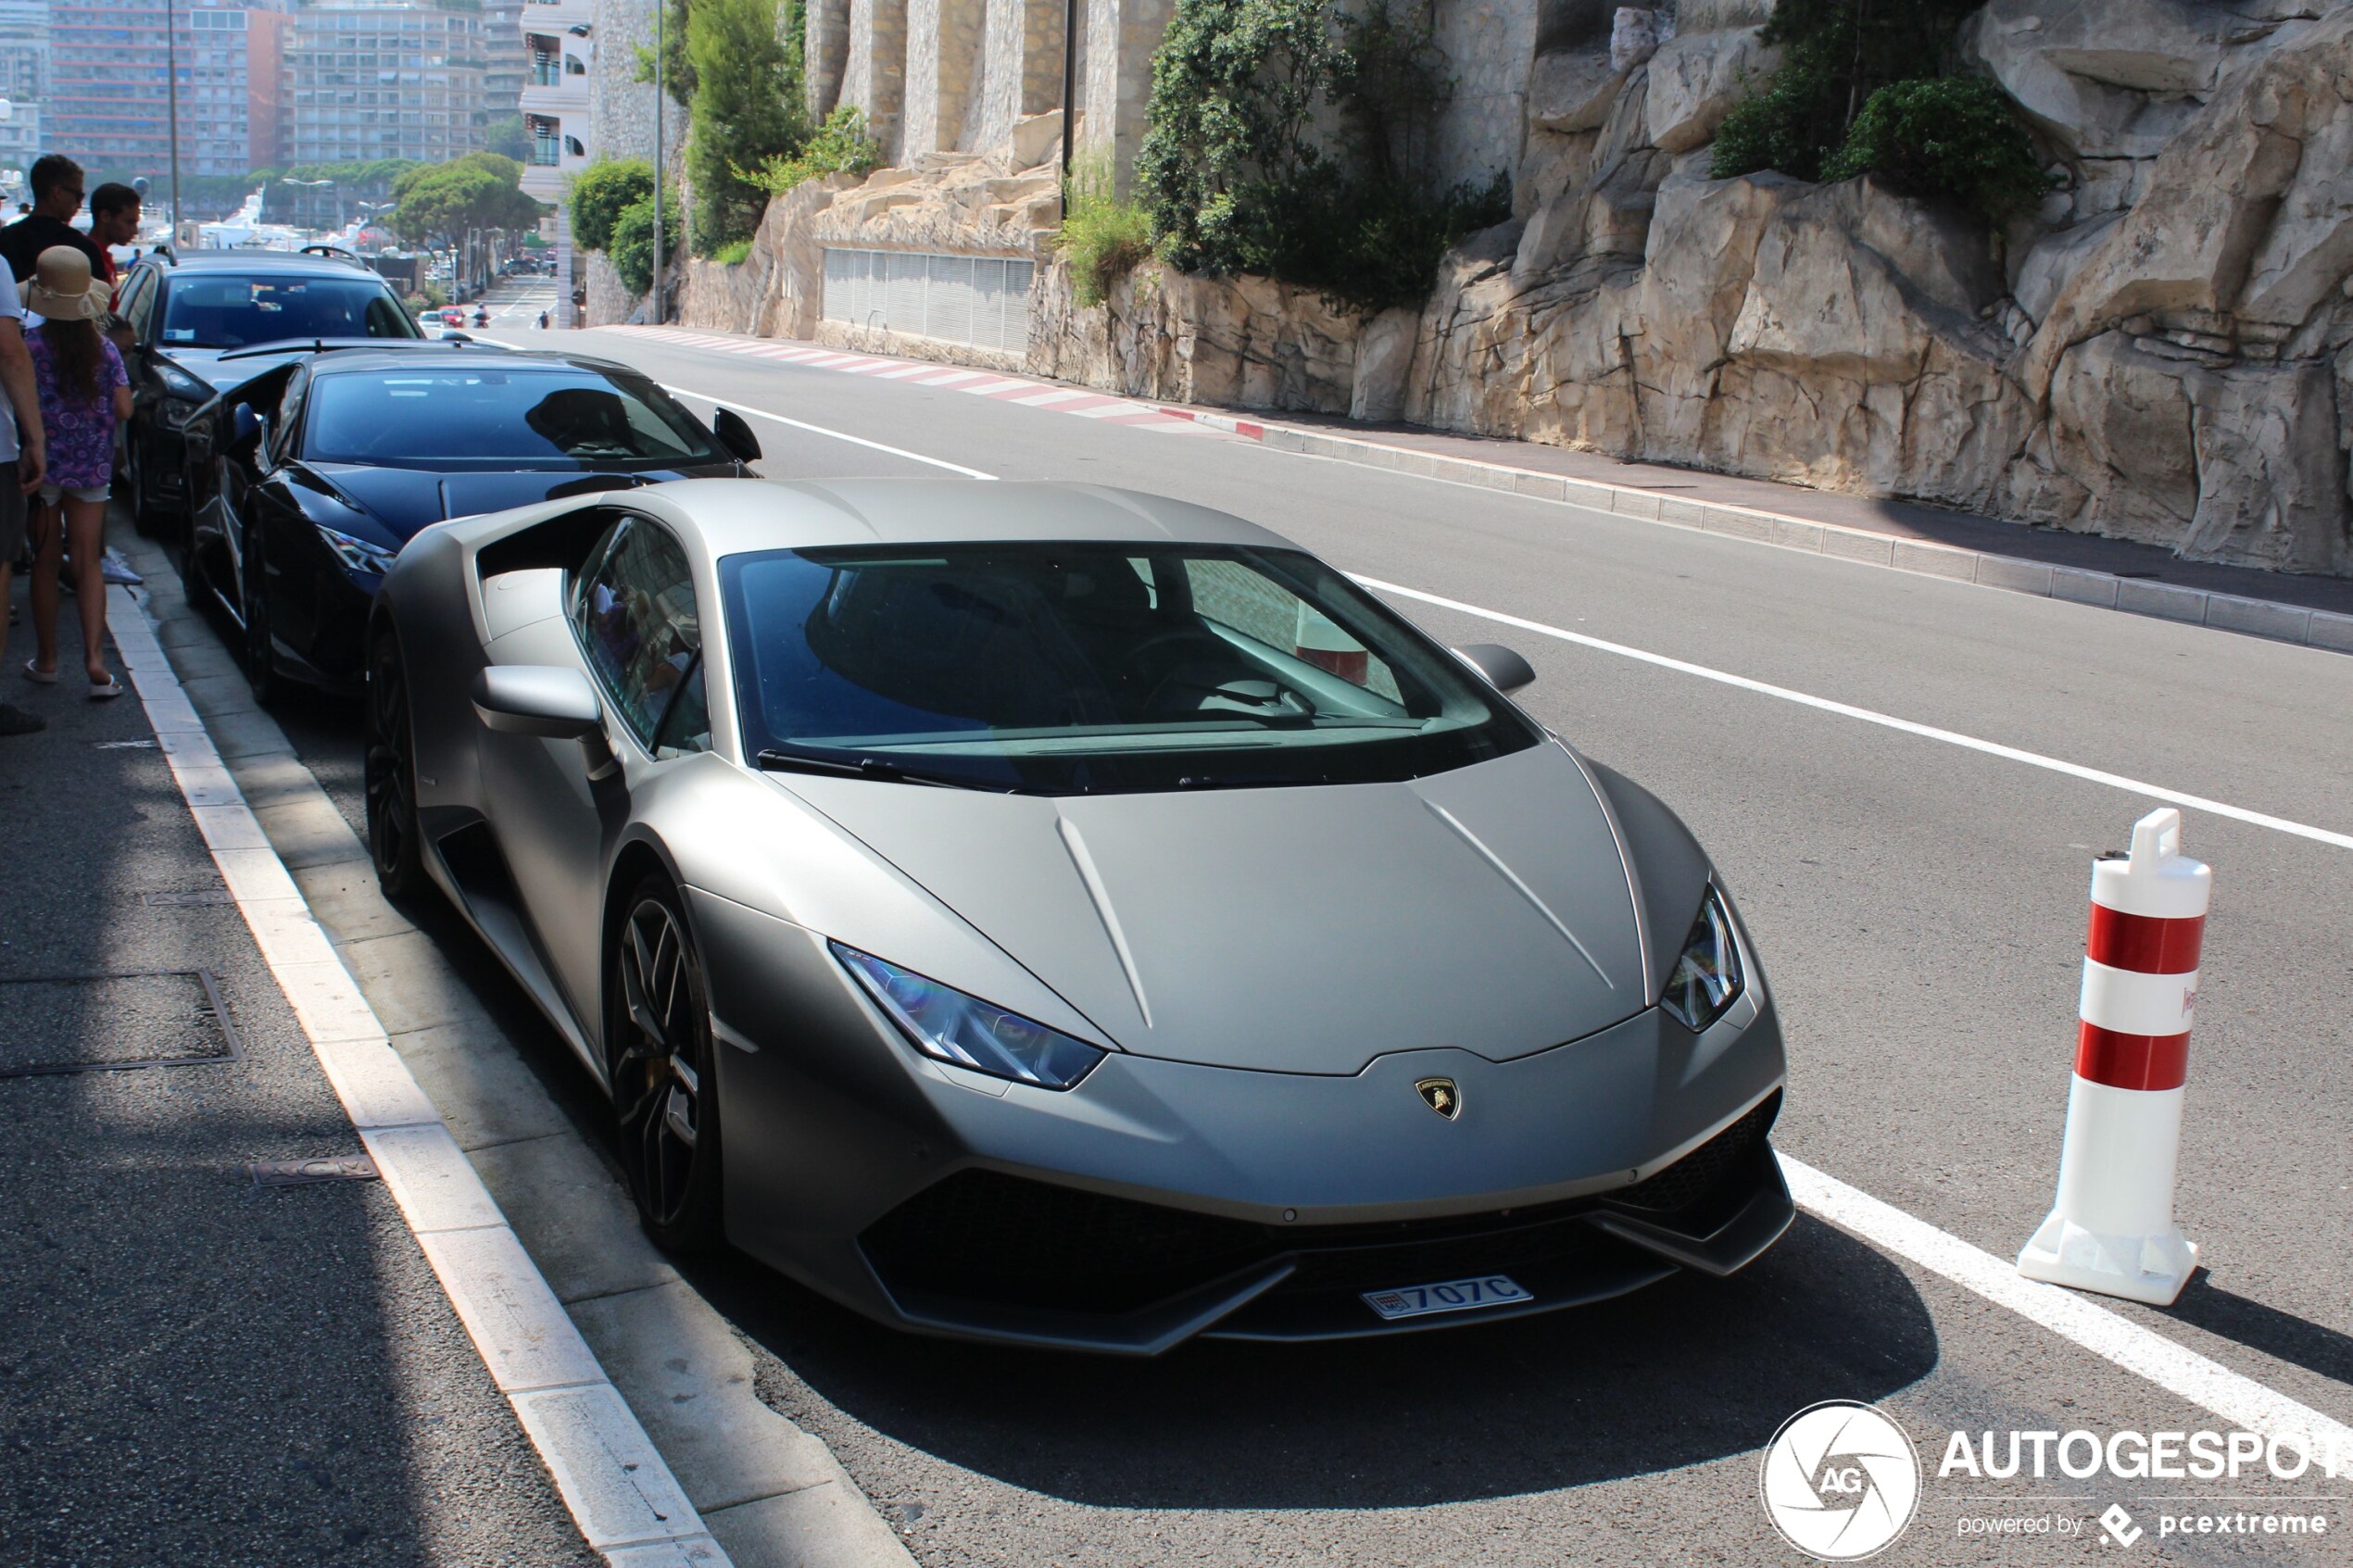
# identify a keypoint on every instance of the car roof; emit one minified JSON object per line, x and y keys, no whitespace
{"x":738,"y":515}
{"x":433,"y":351}
{"x":263,"y":261}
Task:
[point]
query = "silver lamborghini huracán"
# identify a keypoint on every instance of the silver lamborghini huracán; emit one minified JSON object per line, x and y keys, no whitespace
{"x":1051,"y":914}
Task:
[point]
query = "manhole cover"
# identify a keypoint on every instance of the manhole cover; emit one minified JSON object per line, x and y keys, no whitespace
{"x":107,"y":1023}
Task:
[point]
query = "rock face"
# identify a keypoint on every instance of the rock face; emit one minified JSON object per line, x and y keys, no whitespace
{"x":2162,"y":351}
{"x":1244,"y":341}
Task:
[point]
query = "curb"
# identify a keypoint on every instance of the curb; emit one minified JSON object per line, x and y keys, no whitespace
{"x":621,"y":1494}
{"x":2321,"y":629}
{"x":759,"y":1490}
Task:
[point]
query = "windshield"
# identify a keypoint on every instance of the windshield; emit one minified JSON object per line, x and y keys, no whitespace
{"x":208,"y":310}
{"x":1074,"y":669}
{"x":465,"y":416}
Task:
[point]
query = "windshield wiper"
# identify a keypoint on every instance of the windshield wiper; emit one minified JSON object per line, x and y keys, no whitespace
{"x":775,"y":761}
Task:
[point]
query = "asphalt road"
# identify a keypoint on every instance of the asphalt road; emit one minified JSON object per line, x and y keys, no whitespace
{"x":1920,"y":907}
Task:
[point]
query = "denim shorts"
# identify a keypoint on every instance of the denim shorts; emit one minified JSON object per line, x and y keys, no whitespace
{"x":51,"y":493}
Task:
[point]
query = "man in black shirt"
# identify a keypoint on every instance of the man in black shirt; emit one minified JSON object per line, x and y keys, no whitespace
{"x":56,"y":196}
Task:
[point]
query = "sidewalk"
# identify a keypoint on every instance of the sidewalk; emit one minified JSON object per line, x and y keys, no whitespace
{"x":682,"y":1445}
{"x":196,"y":1368}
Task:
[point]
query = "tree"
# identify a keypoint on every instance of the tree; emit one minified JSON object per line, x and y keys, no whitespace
{"x":678,"y":70}
{"x":469,"y":193}
{"x":747,"y":109}
{"x":601,"y":193}
{"x":631,"y":249}
{"x":507,"y":138}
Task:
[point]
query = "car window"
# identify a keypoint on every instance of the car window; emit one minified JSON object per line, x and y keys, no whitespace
{"x":214,"y":310}
{"x":289,"y":412}
{"x":1079,"y":667}
{"x":634,"y":614}
{"x":551,"y":418}
{"x":139,"y":303}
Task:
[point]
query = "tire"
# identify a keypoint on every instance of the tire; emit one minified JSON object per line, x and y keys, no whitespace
{"x":252,"y":602}
{"x":389,"y":774}
{"x":148,"y":519}
{"x":664,"y":1090}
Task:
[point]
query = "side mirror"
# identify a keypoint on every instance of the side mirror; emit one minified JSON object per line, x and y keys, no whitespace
{"x":538,"y":699}
{"x":1505,"y":669}
{"x":735,"y":435}
{"x":244,"y":432}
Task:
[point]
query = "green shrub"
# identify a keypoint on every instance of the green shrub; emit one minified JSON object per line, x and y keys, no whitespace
{"x":601,"y":193}
{"x":732,"y":254}
{"x":747,"y":109}
{"x":1835,"y":53}
{"x":632,"y":247}
{"x":1954,"y":138}
{"x":1235,"y":176}
{"x":840,"y":146}
{"x":1103,"y":238}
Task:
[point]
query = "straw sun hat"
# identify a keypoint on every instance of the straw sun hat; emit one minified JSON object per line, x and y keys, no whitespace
{"x":62,"y":289}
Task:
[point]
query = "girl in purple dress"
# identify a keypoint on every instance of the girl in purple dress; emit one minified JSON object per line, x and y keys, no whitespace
{"x":84,"y":394}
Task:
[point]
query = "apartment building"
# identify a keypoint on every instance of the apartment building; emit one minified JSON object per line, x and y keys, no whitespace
{"x":366,"y":80}
{"x":106,"y":98}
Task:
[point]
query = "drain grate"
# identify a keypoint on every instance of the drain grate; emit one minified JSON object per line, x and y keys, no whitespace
{"x":302,"y":1172}
{"x":112,"y":1022}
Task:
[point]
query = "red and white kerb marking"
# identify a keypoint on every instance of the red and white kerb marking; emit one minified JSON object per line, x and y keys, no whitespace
{"x":2112,"y":1229}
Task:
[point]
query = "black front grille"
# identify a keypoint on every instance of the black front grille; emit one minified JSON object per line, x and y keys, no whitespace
{"x":986,"y":1236}
{"x":1697,"y":1177}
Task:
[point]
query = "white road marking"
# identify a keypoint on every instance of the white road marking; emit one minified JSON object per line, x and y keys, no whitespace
{"x":820,"y":430}
{"x":1888,"y":720}
{"x":615,"y":1485}
{"x":2242,"y":1401}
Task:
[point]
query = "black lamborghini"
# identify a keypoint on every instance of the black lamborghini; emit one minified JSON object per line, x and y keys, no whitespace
{"x":321,"y":469}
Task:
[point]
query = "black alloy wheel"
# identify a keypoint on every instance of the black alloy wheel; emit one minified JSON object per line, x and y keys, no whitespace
{"x":664,"y":1091}
{"x":253,"y":604}
{"x":389,"y":774}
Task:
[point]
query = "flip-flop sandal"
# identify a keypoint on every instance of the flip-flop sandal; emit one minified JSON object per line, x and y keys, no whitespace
{"x":112,"y":688}
{"x":33,"y":672}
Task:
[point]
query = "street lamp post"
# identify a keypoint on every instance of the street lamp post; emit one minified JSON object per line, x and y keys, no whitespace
{"x":662,"y":90}
{"x":171,"y":99}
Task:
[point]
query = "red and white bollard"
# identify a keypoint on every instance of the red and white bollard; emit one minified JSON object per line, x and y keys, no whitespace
{"x":1325,"y":645}
{"x":2112,"y":1229}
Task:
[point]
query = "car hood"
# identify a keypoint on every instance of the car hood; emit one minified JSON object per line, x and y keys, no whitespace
{"x":225,"y":370}
{"x":1296,"y":929}
{"x":404,"y":500}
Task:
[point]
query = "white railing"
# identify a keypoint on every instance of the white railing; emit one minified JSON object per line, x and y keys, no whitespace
{"x":982,"y":300}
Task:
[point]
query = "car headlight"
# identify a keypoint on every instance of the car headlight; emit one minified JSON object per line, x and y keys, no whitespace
{"x":946,"y":1023}
{"x":360,"y":555}
{"x":1706,"y":979}
{"x":176,"y":412}
{"x":180,"y":383}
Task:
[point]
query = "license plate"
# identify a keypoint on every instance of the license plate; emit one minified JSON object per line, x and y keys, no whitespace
{"x":1452,"y":1296}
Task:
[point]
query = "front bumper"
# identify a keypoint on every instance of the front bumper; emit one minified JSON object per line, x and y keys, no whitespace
{"x":1161,"y":1201}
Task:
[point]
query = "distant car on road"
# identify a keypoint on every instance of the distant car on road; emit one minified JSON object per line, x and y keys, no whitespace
{"x":453,"y":315}
{"x":1057,"y":915}
{"x":209,"y":321}
{"x":322,"y":469}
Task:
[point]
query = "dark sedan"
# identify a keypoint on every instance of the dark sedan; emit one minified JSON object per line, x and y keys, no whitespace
{"x":203,"y":322}
{"x":323,"y":468}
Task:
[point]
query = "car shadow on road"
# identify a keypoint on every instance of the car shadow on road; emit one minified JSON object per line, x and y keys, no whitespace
{"x":1689,"y":1371}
